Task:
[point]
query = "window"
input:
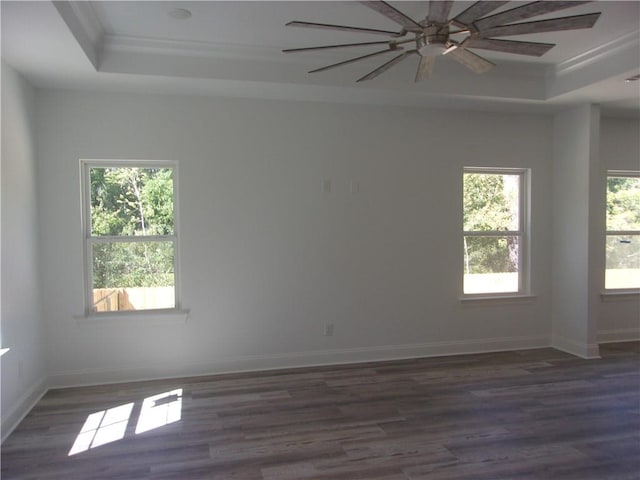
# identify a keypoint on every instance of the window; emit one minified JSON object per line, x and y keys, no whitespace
{"x":494,"y":220}
{"x":622,"y":258}
{"x":130,"y":236}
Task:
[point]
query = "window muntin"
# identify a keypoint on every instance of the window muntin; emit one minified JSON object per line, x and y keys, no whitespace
{"x":130,"y":236}
{"x":622,"y":244}
{"x":494,"y":231}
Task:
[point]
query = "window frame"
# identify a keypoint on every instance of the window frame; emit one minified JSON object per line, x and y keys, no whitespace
{"x":608,"y":233}
{"x":523,"y":232}
{"x":88,"y":240}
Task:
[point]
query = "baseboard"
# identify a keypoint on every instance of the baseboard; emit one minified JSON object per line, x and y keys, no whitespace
{"x":579,"y":349}
{"x":252,"y":363}
{"x":619,"y":335}
{"x":21,"y":408}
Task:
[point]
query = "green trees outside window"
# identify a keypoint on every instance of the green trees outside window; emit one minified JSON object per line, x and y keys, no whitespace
{"x":131,"y":242}
{"x":493,"y":231}
{"x":622,"y":250}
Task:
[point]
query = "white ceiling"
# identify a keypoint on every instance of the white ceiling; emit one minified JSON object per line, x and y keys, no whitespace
{"x":234,"y":48}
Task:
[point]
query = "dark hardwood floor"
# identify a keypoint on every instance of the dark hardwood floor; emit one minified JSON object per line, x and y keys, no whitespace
{"x":534,"y":414}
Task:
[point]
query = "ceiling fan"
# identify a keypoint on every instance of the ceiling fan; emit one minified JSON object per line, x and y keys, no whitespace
{"x":438,"y":35}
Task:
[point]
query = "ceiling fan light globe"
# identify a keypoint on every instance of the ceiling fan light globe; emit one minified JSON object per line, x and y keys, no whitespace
{"x":432,"y":49}
{"x":450,"y":49}
{"x":179,"y":13}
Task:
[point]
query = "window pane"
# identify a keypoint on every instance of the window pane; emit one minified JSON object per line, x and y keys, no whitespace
{"x":622,"y":262}
{"x":491,"y":202}
{"x":133,"y":276}
{"x":131,"y":201}
{"x":623,"y":203}
{"x":491,"y":264}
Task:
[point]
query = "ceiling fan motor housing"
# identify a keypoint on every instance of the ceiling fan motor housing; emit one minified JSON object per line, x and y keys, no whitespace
{"x":433,"y":40}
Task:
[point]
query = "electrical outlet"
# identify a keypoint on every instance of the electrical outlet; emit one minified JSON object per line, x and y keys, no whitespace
{"x":328,"y":329}
{"x":326,"y":186}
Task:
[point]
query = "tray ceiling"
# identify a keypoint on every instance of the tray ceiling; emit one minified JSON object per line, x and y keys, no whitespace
{"x":235,"y":48}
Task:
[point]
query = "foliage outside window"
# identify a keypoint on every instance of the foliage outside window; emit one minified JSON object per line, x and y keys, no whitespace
{"x":494,"y":231}
{"x":130,"y":236}
{"x":622,"y":258}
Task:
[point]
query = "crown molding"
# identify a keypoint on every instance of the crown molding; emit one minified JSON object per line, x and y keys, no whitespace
{"x":610,"y":61}
{"x":206,"y":50}
{"x":597,"y":54}
{"x":134,"y":44}
{"x":84,"y":25}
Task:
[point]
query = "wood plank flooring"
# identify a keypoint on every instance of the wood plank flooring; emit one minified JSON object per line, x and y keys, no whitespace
{"x":534,"y":414}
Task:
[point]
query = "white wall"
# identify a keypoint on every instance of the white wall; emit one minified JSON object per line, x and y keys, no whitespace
{"x":267,"y":257}
{"x":576,"y":238}
{"x":23,"y":367}
{"x":619,"y":317}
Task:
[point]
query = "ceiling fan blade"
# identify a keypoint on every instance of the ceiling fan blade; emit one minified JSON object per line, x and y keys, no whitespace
{"x":525,"y":11}
{"x":439,"y":11}
{"x":555,"y":24}
{"x":386,"y":66}
{"x":476,"y":11}
{"x":470,"y":60}
{"x":351,"y":60}
{"x":425,"y":68}
{"x":324,"y":47}
{"x":327,"y":26}
{"x":533,"y":49}
{"x":393,"y":14}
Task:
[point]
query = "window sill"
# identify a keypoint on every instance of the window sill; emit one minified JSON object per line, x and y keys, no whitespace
{"x":616,"y":295}
{"x":132,"y":318}
{"x":496,"y":299}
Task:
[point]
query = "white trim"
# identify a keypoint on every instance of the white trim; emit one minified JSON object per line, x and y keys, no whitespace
{"x":617,"y":233}
{"x":488,"y":299}
{"x":133,"y":317}
{"x":523,"y":233}
{"x":623,"y":173}
{"x":492,"y":233}
{"x":252,"y":363}
{"x":21,"y":407}
{"x":622,"y":233}
{"x":86,"y":17}
{"x":191,"y":48}
{"x":619,"y":335}
{"x":172,"y":49}
{"x":496,"y":170}
{"x":84,"y":26}
{"x":134,"y":238}
{"x":616,"y":295}
{"x":596,"y":54}
{"x":579,"y":349}
{"x":89,"y":240}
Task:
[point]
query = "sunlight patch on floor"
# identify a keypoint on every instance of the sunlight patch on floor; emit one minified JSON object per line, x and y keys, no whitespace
{"x":160,"y":410}
{"x":110,"y":425}
{"x":102,"y":427}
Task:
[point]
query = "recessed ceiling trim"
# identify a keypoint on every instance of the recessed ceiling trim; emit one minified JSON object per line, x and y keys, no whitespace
{"x":84,"y":26}
{"x":126,"y":43}
{"x":63,"y":50}
{"x":173,"y":48}
{"x":597,"y":54}
{"x":600,"y":68}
